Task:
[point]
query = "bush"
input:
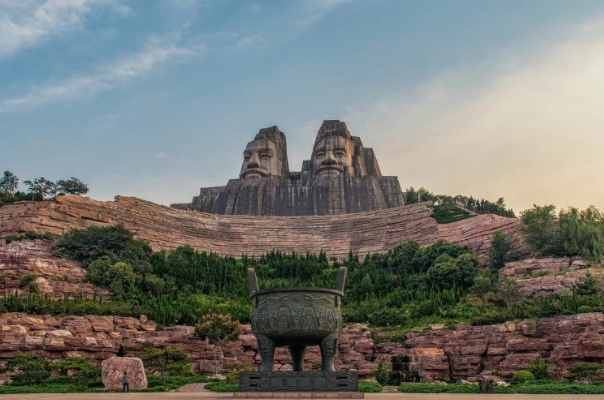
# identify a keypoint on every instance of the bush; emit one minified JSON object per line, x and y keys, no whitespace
{"x":12,"y":238}
{"x":436,"y":388}
{"x":222,"y":387}
{"x":386,"y":317}
{"x":369,"y":387}
{"x":585,"y":309}
{"x":539,"y":368}
{"x":589,"y":370}
{"x":382,"y":373}
{"x":523,"y":376}
{"x":30,"y":369}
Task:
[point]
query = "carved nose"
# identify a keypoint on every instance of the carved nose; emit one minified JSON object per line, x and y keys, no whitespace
{"x":329,"y":159}
{"x":253,"y":162}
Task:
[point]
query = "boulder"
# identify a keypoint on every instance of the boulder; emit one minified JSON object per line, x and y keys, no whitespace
{"x":113,"y":369}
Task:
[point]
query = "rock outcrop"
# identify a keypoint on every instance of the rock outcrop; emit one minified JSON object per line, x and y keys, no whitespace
{"x":544,"y":276}
{"x":464,"y":353}
{"x":112,"y":372}
{"x":234,"y":235}
{"x":57,"y":278}
{"x":341,"y":177}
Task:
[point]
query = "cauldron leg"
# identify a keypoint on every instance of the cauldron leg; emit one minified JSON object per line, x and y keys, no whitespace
{"x":328,"y":346}
{"x":297,"y":353}
{"x":267,"y":352}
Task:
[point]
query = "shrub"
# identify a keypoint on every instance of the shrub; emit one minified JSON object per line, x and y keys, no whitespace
{"x":12,"y":238}
{"x":587,"y":370}
{"x":522,"y":376}
{"x":539,"y":368}
{"x":498,"y":252}
{"x":585,"y":309}
{"x":382,"y":373}
{"x":30,"y":369}
{"x":369,"y":387}
{"x":222,"y":387}
{"x":217,"y":328}
{"x":166,"y":361}
{"x":385,"y":317}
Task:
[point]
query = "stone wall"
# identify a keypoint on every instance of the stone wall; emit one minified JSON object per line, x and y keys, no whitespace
{"x":234,"y":235}
{"x":464,"y":353}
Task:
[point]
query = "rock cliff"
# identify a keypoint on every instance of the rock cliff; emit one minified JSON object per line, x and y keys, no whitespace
{"x":466,"y":352}
{"x":234,"y":235}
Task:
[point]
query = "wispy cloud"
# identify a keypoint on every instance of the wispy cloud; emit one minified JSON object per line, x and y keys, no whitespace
{"x":249,"y":41}
{"x":531,"y":131}
{"x":117,"y":73}
{"x":314,"y":10}
{"x":26,"y":23}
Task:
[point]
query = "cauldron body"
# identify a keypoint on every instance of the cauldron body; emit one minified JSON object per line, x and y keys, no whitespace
{"x":296,"y":318}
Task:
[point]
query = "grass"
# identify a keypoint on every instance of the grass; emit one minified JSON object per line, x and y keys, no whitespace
{"x":446,"y":213}
{"x":526,"y":388}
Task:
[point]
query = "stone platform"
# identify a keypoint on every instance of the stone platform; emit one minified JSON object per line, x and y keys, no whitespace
{"x":299,"y":395}
{"x":310,"y":381}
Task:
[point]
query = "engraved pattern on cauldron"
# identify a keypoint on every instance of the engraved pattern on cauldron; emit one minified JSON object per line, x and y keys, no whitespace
{"x":287,"y":312}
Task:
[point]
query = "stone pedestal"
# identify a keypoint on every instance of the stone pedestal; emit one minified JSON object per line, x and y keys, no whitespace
{"x":311,"y":381}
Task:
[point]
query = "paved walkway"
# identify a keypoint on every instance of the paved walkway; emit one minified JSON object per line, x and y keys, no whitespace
{"x":224,"y":396}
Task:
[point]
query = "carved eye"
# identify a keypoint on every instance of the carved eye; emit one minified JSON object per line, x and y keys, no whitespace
{"x":265,"y":156}
{"x":320,"y":154}
{"x":340,"y":154}
{"x":246,"y":157}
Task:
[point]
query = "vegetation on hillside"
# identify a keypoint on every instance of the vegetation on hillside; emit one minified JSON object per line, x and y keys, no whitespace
{"x":405,"y":288}
{"x":481,"y":206}
{"x":37,"y":189}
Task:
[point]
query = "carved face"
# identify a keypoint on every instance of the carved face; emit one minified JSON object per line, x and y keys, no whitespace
{"x":332,"y":156}
{"x":261,"y":159}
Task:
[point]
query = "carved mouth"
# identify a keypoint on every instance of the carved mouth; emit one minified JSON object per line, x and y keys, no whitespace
{"x":254,"y":173}
{"x":329,"y":168}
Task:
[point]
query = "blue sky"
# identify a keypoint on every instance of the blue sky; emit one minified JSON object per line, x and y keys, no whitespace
{"x":155,"y":99}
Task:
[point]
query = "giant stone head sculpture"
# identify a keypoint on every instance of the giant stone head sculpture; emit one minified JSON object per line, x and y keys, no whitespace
{"x":266,"y":155}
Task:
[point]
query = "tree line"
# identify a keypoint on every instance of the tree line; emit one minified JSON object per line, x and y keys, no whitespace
{"x":38,"y":188}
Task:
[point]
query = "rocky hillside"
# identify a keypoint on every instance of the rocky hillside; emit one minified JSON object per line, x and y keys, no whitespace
{"x":57,"y":278}
{"x":466,"y":352}
{"x":337,"y":235}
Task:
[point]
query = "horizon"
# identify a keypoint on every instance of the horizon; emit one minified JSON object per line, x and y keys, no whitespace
{"x":158,"y":99}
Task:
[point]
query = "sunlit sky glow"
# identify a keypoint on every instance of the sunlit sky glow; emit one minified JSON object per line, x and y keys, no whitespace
{"x":156,"y":99}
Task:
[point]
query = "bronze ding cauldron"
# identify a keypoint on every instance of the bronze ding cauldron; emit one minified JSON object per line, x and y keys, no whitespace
{"x":296,"y":318}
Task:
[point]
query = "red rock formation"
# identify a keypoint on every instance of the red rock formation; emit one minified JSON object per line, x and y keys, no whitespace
{"x":464,"y":353}
{"x":234,"y":235}
{"x":113,"y":371}
{"x":57,"y":278}
{"x":547,"y":275}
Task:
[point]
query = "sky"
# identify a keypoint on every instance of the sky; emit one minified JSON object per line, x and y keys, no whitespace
{"x":156,"y":99}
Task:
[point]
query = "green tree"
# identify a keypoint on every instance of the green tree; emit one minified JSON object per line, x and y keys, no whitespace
{"x":166,"y":361}
{"x":410,"y":196}
{"x":121,"y":278}
{"x":588,"y":286}
{"x":508,"y":291}
{"x":85,"y":373}
{"x":30,"y":369}
{"x":499,"y":250}
{"x":582,"y":232}
{"x":215,"y":328}
{"x":72,"y":186}
{"x":539,"y":368}
{"x":541,"y":229}
{"x":41,"y":186}
{"x":447,"y":273}
{"x":9,"y":182}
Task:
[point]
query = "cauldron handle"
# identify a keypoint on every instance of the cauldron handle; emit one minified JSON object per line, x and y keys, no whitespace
{"x":341,"y":279}
{"x":252,"y":279}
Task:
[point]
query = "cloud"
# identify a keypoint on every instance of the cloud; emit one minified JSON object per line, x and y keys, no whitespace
{"x":249,"y":41}
{"x":161,"y":154}
{"x":27,"y":23}
{"x":529,"y":130}
{"x":119,"y":72}
{"x":314,"y":10}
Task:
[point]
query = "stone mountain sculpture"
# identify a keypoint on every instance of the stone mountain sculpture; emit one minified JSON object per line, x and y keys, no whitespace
{"x":342,"y":176}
